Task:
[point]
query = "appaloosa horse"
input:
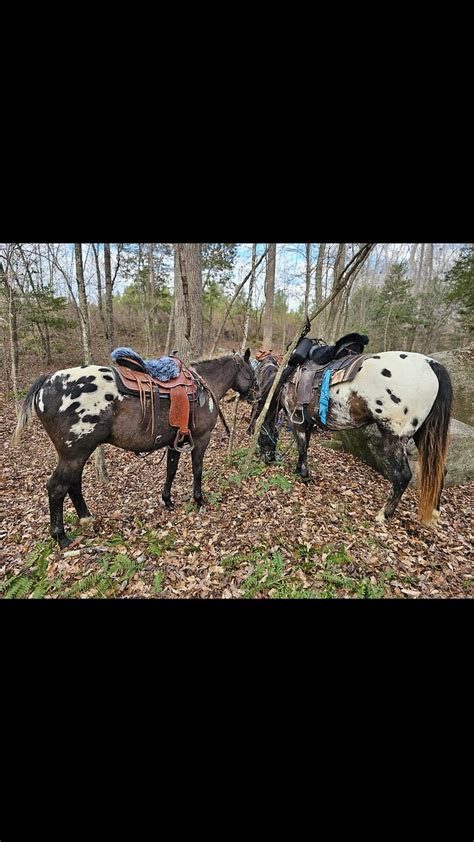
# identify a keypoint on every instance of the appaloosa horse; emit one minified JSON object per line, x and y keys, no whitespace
{"x":82,"y":408}
{"x":407,"y":395}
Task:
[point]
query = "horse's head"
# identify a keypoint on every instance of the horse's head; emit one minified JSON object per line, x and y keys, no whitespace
{"x":245,"y":381}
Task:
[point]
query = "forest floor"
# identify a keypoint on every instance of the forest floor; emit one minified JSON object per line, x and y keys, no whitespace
{"x":262,"y":536}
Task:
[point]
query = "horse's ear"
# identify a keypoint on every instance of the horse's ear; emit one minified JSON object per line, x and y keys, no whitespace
{"x":247,"y":355}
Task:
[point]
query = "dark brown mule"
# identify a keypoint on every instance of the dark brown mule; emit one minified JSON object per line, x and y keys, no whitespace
{"x":82,"y":408}
{"x":265,"y":372}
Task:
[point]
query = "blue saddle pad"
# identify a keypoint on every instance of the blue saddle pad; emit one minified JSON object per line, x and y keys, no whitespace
{"x":164,"y":368}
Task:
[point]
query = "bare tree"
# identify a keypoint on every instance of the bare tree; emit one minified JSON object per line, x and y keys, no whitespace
{"x":109,"y":305}
{"x":13,"y":329}
{"x":308,"y":278}
{"x":269,"y":294}
{"x":243,"y":346}
{"x":86,"y":343}
{"x":100,"y":304}
{"x":412,"y":260}
{"x":319,"y":274}
{"x":83,"y":306}
{"x":337,"y":285}
{"x":188,"y":297}
{"x":236,"y":294}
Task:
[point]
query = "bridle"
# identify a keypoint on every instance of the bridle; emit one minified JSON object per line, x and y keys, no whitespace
{"x":250,"y":378}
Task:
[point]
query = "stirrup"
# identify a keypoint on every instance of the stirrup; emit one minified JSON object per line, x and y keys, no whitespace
{"x":294,"y":419}
{"x":182,"y":444}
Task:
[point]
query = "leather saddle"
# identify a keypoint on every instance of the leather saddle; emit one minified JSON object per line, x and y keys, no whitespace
{"x":309,"y":377}
{"x":179,"y":390}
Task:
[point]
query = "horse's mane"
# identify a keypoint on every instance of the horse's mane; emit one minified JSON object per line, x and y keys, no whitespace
{"x":213,"y":360}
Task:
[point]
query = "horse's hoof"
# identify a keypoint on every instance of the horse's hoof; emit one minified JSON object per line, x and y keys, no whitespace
{"x":168,"y":505}
{"x":63,"y":542}
{"x":84,"y":521}
{"x":381,"y":517}
{"x":433,"y":521}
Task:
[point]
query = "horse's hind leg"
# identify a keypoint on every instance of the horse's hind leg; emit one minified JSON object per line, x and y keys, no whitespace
{"x":67,"y":475}
{"x":80,"y":505}
{"x":197,"y":457}
{"x":302,"y":437}
{"x":396,"y":463}
{"x":171,"y":468}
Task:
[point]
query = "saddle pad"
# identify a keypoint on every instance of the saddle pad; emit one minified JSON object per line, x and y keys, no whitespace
{"x":140,"y":380}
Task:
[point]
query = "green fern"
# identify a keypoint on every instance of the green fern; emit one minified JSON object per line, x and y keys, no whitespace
{"x":41,"y":589}
{"x":20,"y":587}
{"x":83,"y":585}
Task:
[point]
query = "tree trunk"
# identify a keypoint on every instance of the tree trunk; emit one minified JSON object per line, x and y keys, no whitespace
{"x":188,"y":295}
{"x":319,"y":274}
{"x":243,"y":346}
{"x":149,"y":303}
{"x":336,"y":284}
{"x":429,"y":263}
{"x":412,"y":261}
{"x":319,"y":280}
{"x":100,"y":303}
{"x":169,"y":335}
{"x":109,"y":305}
{"x":269,"y":294}
{"x":87,"y":345}
{"x":419,"y":273}
{"x":13,"y":332}
{"x":83,"y":309}
{"x":308,"y":278}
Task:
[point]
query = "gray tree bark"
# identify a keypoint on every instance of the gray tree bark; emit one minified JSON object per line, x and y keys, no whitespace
{"x":269,"y":294}
{"x":100,"y":303}
{"x":13,"y":331}
{"x":188,"y":298}
{"x":83,"y":307}
{"x":308,"y":278}
{"x":109,"y":304}
{"x":87,"y":344}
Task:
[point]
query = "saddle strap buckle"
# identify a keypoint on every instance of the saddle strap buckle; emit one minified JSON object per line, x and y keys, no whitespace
{"x":293,"y":417}
{"x":183,"y":442}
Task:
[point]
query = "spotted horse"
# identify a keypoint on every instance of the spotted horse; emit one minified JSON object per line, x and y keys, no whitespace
{"x":82,"y":408}
{"x":407,"y":395}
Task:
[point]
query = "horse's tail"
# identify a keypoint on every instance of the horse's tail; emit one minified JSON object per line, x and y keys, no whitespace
{"x":432,"y":442}
{"x":28,"y":410}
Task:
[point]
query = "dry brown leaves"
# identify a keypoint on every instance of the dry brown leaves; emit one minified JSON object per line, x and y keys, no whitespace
{"x":260,"y":514}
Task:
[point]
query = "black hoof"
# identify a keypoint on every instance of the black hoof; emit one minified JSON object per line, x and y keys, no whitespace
{"x":63,"y":541}
{"x":168,"y":504}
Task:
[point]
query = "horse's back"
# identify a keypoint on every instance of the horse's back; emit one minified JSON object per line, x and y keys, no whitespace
{"x":400,"y":388}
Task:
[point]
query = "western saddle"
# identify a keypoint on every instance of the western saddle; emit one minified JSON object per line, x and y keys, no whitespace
{"x":181,"y":390}
{"x":309,"y":377}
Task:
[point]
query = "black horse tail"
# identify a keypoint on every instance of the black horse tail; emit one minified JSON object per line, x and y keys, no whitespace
{"x":432,"y":443}
{"x":28,"y":410}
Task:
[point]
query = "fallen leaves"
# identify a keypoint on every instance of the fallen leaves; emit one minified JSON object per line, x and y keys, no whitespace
{"x":247,"y":522}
